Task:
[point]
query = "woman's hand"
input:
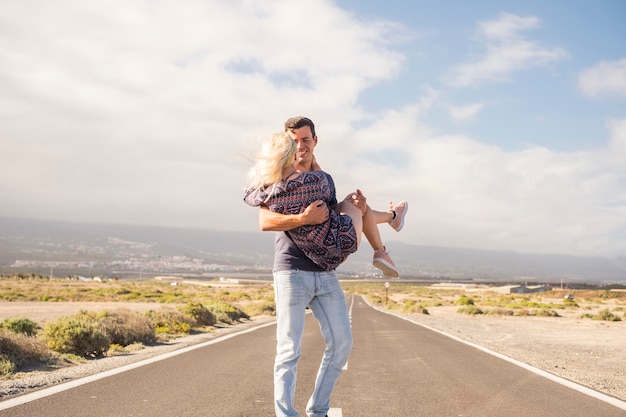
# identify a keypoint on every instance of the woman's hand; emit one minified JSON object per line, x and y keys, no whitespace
{"x":358,"y":199}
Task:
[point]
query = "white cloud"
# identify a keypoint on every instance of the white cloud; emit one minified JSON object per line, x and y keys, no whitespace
{"x":137,"y":111}
{"x":468,"y":112}
{"x":464,"y":193}
{"x":142,"y":112}
{"x":605,"y":79}
{"x":506,"y":52}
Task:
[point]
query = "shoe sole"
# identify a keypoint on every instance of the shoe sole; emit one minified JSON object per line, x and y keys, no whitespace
{"x":406,"y":209}
{"x":388,"y":269}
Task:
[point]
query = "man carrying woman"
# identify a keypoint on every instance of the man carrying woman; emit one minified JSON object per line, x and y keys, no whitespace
{"x":304,"y":273}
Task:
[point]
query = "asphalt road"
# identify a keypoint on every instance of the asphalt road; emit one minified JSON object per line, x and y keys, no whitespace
{"x":396,"y":368}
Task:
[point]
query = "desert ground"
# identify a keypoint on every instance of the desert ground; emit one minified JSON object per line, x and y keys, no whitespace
{"x":589,"y":352}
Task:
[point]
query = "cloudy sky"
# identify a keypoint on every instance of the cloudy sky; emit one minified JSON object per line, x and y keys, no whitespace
{"x":503,"y":123}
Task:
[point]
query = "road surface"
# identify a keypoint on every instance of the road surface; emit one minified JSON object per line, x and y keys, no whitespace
{"x":397,"y":369}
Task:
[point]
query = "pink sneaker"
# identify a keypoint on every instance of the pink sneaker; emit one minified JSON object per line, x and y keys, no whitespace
{"x":383,"y":261}
{"x":400,"y":210}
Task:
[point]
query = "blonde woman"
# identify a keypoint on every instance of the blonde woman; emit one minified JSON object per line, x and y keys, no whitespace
{"x":275,"y":182}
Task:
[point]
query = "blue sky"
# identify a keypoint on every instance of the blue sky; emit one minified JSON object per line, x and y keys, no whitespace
{"x":531,"y":103}
{"x":502,"y":123}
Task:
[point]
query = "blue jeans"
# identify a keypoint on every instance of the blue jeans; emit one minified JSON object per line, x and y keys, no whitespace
{"x":294,"y":290}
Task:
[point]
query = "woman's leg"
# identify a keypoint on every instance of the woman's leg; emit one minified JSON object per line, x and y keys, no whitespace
{"x":367,"y":226}
{"x":346,"y":207}
{"x":383,"y":216}
{"x":364,"y":223}
{"x":370,"y":229}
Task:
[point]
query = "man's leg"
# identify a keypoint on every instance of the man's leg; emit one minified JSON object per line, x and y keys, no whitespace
{"x":293,"y":290}
{"x":330,"y":309}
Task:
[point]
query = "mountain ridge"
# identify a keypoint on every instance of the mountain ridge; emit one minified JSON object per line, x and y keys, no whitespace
{"x":35,"y":239}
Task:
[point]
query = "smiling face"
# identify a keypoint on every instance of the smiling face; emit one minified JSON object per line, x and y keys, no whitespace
{"x":306,"y":143}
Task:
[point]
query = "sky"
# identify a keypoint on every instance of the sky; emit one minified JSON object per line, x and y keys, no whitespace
{"x":502,"y":123}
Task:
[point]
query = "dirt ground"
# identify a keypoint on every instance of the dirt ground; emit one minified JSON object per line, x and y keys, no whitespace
{"x":45,"y":311}
{"x":589,"y":352}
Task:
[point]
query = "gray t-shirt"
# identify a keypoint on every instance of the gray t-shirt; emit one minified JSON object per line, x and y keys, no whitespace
{"x":287,"y":256}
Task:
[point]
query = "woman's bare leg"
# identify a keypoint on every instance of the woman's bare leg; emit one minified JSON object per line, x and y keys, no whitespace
{"x":383,"y":216}
{"x":370,"y":229}
{"x":345,"y":207}
{"x":366,"y":224}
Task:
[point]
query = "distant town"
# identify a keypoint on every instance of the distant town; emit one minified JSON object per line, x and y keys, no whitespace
{"x":62,"y":249}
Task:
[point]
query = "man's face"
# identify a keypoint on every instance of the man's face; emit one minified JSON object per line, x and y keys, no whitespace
{"x":306,"y":144}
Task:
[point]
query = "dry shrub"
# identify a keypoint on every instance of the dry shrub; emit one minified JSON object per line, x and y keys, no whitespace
{"x":19,"y":349}
{"x":124,"y":327}
{"x":499,"y":312}
{"x":261,"y":308}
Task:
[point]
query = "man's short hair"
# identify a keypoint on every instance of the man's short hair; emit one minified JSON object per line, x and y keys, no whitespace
{"x":298,"y":122}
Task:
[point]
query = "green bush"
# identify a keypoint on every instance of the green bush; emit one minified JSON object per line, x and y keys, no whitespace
{"x":7,"y":367}
{"x":545,"y":312}
{"x":412,"y":307}
{"x":376,"y":299}
{"x":20,"y":325}
{"x":225,"y":313}
{"x":567,"y":303}
{"x":199,"y":313}
{"x":170,"y":321}
{"x":606,"y":315}
{"x":470,"y":309}
{"x":465,"y":301}
{"x":77,"y":336}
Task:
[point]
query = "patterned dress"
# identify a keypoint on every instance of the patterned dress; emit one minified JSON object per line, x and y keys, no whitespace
{"x":327,"y":244}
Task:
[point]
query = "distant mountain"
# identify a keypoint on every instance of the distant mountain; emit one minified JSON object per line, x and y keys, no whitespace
{"x":42,"y":244}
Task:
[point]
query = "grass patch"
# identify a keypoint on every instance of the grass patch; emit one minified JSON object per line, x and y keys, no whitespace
{"x":603,"y":315}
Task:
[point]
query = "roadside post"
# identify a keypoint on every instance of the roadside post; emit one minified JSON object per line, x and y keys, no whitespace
{"x":386,"y":293}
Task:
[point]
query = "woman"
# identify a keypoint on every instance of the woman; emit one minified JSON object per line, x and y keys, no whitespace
{"x":274,"y":182}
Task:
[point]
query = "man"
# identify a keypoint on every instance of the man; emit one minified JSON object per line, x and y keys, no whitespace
{"x":299,"y":282}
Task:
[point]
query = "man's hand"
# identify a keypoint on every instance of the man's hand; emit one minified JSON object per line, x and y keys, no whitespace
{"x":315,"y":213}
{"x":358,"y":199}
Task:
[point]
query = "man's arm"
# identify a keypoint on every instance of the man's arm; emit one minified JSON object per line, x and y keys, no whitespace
{"x":315,"y":213}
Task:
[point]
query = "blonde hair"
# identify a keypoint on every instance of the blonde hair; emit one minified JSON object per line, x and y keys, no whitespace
{"x":278,"y":151}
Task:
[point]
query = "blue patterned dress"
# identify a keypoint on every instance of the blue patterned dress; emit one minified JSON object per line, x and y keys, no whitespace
{"x":327,"y":244}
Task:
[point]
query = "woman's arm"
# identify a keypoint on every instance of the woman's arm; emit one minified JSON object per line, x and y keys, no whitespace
{"x":315,"y":213}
